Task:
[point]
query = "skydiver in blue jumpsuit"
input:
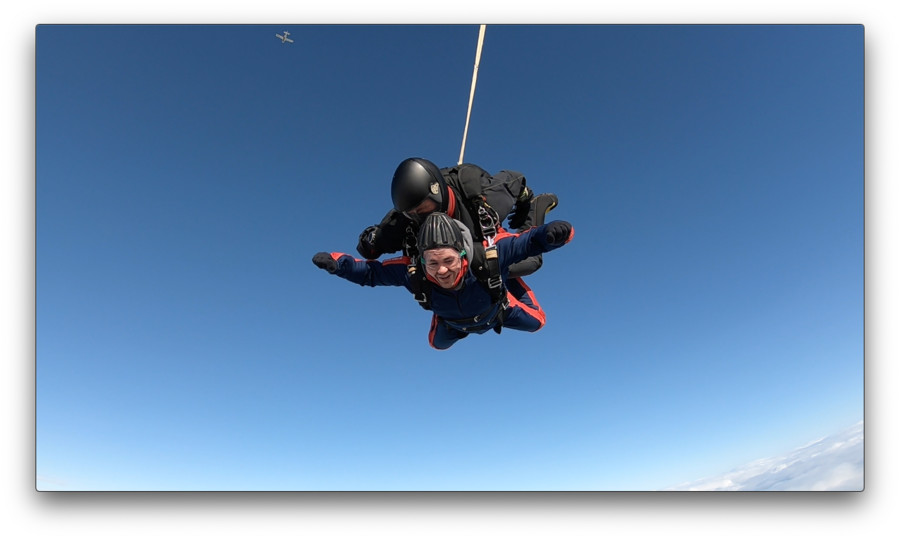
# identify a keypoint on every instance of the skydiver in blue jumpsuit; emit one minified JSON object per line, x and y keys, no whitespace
{"x":460,"y":302}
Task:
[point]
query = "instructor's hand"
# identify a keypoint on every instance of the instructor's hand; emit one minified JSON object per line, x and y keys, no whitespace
{"x":368,"y":243}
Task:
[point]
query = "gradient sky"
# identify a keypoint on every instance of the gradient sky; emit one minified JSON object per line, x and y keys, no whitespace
{"x":708,"y":312}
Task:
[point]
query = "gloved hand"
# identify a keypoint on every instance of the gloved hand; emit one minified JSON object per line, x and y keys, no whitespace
{"x":558,"y":232}
{"x":367,"y":243}
{"x":325,"y":261}
{"x":385,"y":237}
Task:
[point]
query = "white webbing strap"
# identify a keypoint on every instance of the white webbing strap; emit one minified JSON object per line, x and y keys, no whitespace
{"x":472,"y":92}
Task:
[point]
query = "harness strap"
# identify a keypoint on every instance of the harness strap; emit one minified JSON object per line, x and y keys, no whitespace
{"x":421,"y":288}
{"x":488,"y":220}
{"x":492,"y":261}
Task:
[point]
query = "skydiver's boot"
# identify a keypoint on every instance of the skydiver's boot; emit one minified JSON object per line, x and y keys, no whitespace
{"x":540,"y":207}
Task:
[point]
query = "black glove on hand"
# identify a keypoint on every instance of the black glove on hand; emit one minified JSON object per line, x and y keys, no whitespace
{"x":324,"y":261}
{"x":366,"y":245}
{"x":558,"y":232}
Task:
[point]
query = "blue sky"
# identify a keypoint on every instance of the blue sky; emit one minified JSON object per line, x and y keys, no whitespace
{"x":709,"y":311}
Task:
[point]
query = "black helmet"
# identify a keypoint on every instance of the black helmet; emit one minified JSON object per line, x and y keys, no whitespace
{"x":415,"y":180}
{"x":439,"y":230}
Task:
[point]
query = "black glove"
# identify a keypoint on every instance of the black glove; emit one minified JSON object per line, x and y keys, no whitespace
{"x":367,"y":243}
{"x":385,"y":237}
{"x":558,"y":232}
{"x":326,"y":262}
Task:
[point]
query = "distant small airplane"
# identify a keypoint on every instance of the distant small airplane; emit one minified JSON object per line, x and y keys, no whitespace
{"x":284,"y":38}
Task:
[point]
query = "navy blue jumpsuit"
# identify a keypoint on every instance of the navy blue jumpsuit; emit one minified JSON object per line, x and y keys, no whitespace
{"x":468,"y":307}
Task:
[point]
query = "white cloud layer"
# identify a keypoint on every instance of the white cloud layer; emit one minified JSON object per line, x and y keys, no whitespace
{"x":832,"y":463}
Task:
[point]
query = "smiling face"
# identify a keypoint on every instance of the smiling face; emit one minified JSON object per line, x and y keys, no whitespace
{"x":444,"y":265}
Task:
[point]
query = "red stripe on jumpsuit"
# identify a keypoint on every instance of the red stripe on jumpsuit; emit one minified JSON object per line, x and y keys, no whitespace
{"x":434,"y":325}
{"x":451,"y":202}
{"x":535,"y":312}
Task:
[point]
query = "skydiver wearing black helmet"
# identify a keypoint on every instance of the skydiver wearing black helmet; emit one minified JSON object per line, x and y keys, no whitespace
{"x":465,"y":192}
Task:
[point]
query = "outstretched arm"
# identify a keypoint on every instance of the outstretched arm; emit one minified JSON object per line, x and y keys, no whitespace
{"x":517,"y":247}
{"x":364,"y":272}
